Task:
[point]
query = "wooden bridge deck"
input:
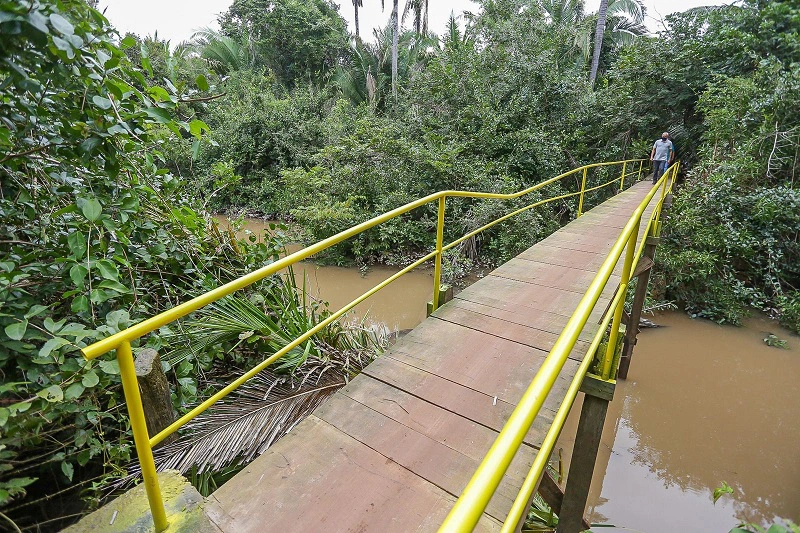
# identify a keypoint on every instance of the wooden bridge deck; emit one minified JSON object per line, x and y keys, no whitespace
{"x":392,"y":450}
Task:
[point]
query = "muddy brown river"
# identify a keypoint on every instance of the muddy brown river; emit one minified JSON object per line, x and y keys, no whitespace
{"x":400,"y":305}
{"x":703,"y":404}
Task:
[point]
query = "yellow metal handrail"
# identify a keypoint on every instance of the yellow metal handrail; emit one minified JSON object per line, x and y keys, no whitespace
{"x":121,"y":341}
{"x":469,"y":507}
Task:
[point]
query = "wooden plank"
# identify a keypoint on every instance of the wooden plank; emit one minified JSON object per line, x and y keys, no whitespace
{"x":518,"y":333}
{"x":584,"y":260}
{"x":567,"y":278}
{"x":525,"y":298}
{"x":499,"y":367}
{"x":540,"y":320}
{"x":480,"y":407}
{"x":317,"y":478}
{"x":446,"y":455}
{"x":570,"y":241}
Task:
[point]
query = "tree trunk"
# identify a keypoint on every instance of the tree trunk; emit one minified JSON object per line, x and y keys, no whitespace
{"x":355,"y":5}
{"x":154,"y":389}
{"x":395,"y":44}
{"x":598,"y":39}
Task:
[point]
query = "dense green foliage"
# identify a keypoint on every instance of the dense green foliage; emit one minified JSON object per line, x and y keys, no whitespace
{"x":95,"y":235}
{"x":300,"y":41}
{"x":730,"y":93}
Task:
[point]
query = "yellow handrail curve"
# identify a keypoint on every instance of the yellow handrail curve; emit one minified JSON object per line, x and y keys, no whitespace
{"x":121,"y":341}
{"x":469,"y":507}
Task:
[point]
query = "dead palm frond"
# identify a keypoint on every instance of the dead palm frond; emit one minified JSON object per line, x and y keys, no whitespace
{"x":242,"y":426}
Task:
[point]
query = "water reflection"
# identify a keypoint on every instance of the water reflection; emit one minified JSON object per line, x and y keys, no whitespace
{"x":704,"y":404}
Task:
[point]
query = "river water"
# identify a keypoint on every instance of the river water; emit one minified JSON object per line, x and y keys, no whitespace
{"x":400,"y":305}
{"x":703,"y":404}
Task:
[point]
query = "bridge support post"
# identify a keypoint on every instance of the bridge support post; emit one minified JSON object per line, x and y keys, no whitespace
{"x":597,"y":394}
{"x":643,"y":278}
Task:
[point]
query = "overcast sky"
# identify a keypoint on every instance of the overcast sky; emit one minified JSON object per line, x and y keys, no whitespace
{"x":176,"y":20}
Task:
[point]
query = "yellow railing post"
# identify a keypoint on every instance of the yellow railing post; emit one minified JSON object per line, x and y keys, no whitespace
{"x":437,"y":269}
{"x":639,"y":177}
{"x":608,"y":359}
{"x":622,"y":177}
{"x":133,"y":399}
{"x":583,"y":188}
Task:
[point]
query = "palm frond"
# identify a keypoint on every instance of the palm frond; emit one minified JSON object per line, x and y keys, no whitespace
{"x":631,"y":9}
{"x":241,"y":427}
{"x":224,"y":53}
{"x":623,"y":31}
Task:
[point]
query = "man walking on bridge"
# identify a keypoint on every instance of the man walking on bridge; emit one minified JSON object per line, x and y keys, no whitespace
{"x":661,"y":155}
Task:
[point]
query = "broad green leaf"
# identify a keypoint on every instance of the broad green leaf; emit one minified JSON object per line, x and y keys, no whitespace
{"x":73,"y":391}
{"x":159,"y":115}
{"x":110,"y":367}
{"x":53,"y":344}
{"x":35,"y":310}
{"x":127,"y":42}
{"x":20,"y":407}
{"x":77,"y":244}
{"x":80,"y":304}
{"x":90,"y":379}
{"x":102,"y":102}
{"x":53,"y":393}
{"x":108,"y":270}
{"x":84,"y":456}
{"x":62,"y":25}
{"x":195,"y":149}
{"x":53,"y":326}
{"x":114,"y":286}
{"x":38,"y":21}
{"x":202,"y":82}
{"x":77,"y":274}
{"x":63,"y":45}
{"x":160,"y":94}
{"x":146,"y":64}
{"x":90,"y":144}
{"x":119,"y":319}
{"x":103,"y":58}
{"x":91,"y":209}
{"x":118,"y":129}
{"x":17,"y":330}
{"x":198,"y":127}
{"x":68,"y":470}
{"x":4,"y":412}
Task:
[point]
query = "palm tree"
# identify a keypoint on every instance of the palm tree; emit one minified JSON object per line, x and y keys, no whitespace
{"x":368,"y":75}
{"x":626,"y":17}
{"x":420,"y":10}
{"x":395,"y":44}
{"x":224,"y":54}
{"x":453,"y":39}
{"x":356,"y":5}
{"x":602,"y":14}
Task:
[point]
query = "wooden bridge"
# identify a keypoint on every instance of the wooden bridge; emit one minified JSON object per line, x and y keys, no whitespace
{"x":394,"y":449}
{"x":403,"y":447}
